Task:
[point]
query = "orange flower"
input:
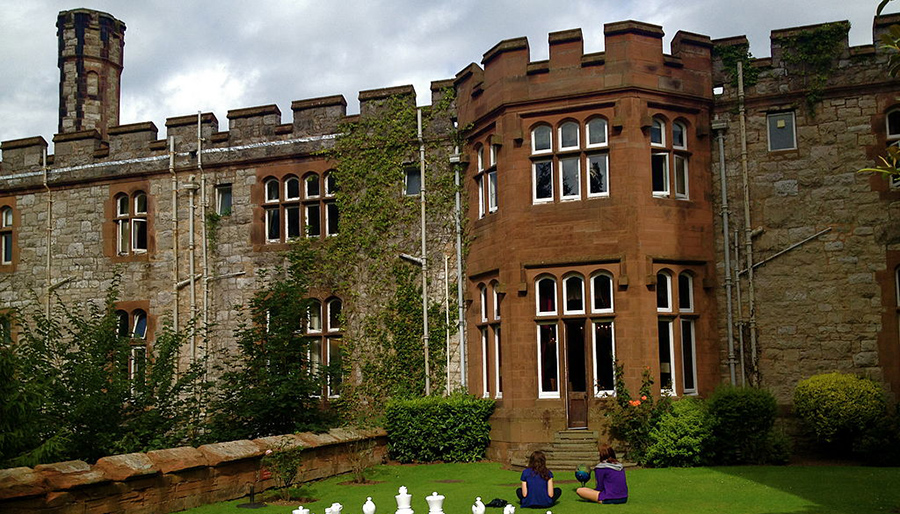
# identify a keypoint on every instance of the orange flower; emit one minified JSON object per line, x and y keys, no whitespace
{"x":634,"y":403}
{"x":644,"y":398}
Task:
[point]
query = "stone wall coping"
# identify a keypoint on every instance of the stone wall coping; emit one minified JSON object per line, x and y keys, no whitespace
{"x":324,"y":101}
{"x":253,"y":112}
{"x":222,"y":453}
{"x":171,"y":460}
{"x":145,"y":126}
{"x":77,"y":136}
{"x":123,"y":467}
{"x":70,"y":474}
{"x":23,"y":143}
{"x":385,"y":92}
{"x":19,"y":482}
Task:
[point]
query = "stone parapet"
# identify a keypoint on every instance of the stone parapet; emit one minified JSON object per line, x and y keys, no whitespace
{"x":175,"y":479}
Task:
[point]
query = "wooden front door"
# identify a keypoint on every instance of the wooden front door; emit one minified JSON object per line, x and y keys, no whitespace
{"x":576,"y":374}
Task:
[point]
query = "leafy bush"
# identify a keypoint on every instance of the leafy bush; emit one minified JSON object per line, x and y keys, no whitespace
{"x":284,"y":462}
{"x":743,"y":418}
{"x":683,"y":436}
{"x":631,"y":421}
{"x":879,"y":445}
{"x":838,"y":407}
{"x":451,"y":429}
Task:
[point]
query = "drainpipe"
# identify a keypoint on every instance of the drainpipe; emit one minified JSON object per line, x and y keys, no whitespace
{"x":720,"y":126}
{"x":203,"y":202}
{"x":49,"y":270}
{"x":748,"y":230}
{"x":424,"y":254}
{"x":461,"y":315}
{"x":174,"y":232}
{"x":740,"y":301}
{"x":447,"y":319}
{"x":192,"y":247}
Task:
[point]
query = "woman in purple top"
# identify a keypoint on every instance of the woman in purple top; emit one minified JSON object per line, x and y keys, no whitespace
{"x":537,"y":483}
{"x":610,"y":474}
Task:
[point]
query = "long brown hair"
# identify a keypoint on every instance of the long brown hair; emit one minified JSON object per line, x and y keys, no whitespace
{"x":538,"y":462}
{"x":607,"y":454}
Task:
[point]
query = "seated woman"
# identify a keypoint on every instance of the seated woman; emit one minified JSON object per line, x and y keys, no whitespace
{"x":537,"y":489}
{"x":611,"y":486}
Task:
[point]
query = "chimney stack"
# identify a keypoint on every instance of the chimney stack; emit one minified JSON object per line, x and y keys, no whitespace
{"x":91,"y":45}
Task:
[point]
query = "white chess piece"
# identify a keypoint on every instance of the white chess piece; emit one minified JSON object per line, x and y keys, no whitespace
{"x":435,"y":503}
{"x":509,"y":509}
{"x":336,"y":508}
{"x":478,"y":508}
{"x":369,"y":506}
{"x":404,"y":500}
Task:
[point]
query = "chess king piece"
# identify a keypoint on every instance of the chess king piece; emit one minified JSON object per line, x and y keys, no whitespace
{"x":435,"y":503}
{"x":404,"y":500}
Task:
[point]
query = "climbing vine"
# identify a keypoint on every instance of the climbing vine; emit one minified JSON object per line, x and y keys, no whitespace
{"x":383,"y":353}
{"x":731,"y":55}
{"x":813,"y":53}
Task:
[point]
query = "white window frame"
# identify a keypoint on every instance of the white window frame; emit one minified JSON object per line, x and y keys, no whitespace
{"x":692,"y":347}
{"x":329,"y":341}
{"x":139,"y":223}
{"x":563,"y":127}
{"x":595,"y":293}
{"x":534,"y":182}
{"x":268,"y":189}
{"x":602,"y":393}
{"x":690,"y":289}
{"x":498,"y":383}
{"x":682,"y":128}
{"x":492,"y":190}
{"x":893,"y":139}
{"x":293,"y":180}
{"x":591,"y":132}
{"x":664,"y":192}
{"x":329,"y":306}
{"x":575,"y":175}
{"x":6,"y":237}
{"x":495,"y":149}
{"x":407,"y":172}
{"x":479,"y":186}
{"x":537,"y":296}
{"x":479,"y":157}
{"x":662,"y":133}
{"x":328,"y":207}
{"x":221,"y":208}
{"x":304,"y":187}
{"x":534,"y":148}
{"x":314,"y":313}
{"x":330,"y":184}
{"x":682,"y":177}
{"x":566,"y":280}
{"x":485,"y":363}
{"x":295,"y":220}
{"x":496,"y":299}
{"x":306,"y":224}
{"x":269,"y":217}
{"x":664,"y":277}
{"x":673,"y":389}
{"x":793,"y":121}
{"x":604,"y":157}
{"x":133,"y":354}
{"x":123,"y":224}
{"x":482,"y":296}
{"x":540,"y":365}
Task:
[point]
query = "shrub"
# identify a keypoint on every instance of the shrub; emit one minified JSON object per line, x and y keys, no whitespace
{"x":879,"y":445}
{"x":284,"y":462}
{"x":838,"y":407}
{"x":683,"y":436}
{"x":743,"y":418}
{"x":451,"y":429}
{"x":631,"y":421}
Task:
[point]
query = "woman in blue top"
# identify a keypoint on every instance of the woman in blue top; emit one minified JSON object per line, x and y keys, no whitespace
{"x":537,"y":484}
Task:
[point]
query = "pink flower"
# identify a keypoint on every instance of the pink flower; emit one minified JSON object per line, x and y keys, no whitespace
{"x":269,"y":452}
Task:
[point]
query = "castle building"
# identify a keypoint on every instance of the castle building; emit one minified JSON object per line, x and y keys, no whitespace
{"x":632,"y":206}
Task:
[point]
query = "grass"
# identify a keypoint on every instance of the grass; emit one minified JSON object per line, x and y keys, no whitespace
{"x":748,"y":489}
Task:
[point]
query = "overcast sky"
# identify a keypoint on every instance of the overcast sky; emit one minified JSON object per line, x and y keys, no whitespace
{"x":216,"y":55}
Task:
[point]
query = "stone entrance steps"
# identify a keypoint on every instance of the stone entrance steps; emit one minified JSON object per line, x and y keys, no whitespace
{"x":569,"y":449}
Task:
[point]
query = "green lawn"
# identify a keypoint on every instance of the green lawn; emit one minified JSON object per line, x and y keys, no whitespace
{"x":750,"y":489}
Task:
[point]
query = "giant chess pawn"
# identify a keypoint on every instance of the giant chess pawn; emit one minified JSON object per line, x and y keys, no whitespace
{"x":435,"y":503}
{"x":336,"y":508}
{"x":478,"y":508}
{"x":404,"y":500}
{"x":509,"y":509}
{"x":369,"y":506}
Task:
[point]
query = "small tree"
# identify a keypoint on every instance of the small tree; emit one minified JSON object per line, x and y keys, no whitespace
{"x":631,"y":421}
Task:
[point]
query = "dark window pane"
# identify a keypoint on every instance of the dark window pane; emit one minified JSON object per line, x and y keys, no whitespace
{"x":313,"y":221}
{"x":605,"y":372}
{"x":543,"y":177}
{"x":292,"y":220}
{"x":332,"y":215}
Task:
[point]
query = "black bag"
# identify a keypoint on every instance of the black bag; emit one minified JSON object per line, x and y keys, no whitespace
{"x":497,"y":502}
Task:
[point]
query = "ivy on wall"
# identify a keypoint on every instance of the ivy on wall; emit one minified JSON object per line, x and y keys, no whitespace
{"x":813,"y":52}
{"x":383,"y":353}
{"x":731,"y":55}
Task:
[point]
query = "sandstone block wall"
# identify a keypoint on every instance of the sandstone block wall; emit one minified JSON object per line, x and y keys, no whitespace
{"x":175,"y":479}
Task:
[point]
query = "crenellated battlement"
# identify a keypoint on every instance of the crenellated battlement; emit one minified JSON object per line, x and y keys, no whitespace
{"x":633,"y":58}
{"x":314,"y":122}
